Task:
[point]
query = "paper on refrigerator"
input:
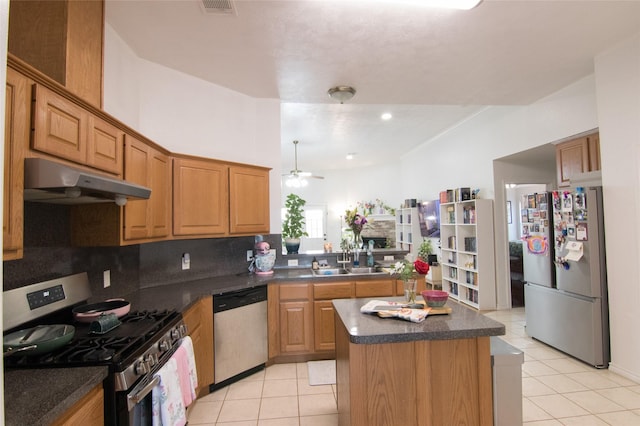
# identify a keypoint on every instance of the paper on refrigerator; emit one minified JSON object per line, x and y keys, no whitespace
{"x":575,"y":251}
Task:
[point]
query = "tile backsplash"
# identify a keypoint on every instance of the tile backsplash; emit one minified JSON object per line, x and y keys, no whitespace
{"x":48,"y":254}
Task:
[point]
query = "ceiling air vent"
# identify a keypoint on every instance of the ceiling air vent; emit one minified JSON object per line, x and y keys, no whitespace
{"x":218,"y":7}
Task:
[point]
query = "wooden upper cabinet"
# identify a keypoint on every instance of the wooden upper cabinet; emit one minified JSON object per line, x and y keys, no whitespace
{"x":248,"y":200}
{"x":104,"y":146}
{"x":200,"y":197}
{"x":60,"y":126}
{"x":62,"y":39}
{"x":148,"y":167}
{"x":66,"y":130}
{"x":594,"y":152}
{"x":16,"y":140}
{"x":577,"y":156}
{"x":160,"y":215}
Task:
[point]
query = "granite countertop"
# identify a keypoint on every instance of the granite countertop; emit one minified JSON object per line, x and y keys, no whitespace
{"x":62,"y":387}
{"x":461,"y":323}
{"x":40,"y":396}
{"x":180,"y":296}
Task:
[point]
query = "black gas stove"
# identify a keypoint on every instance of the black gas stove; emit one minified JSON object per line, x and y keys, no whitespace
{"x":134,"y":350}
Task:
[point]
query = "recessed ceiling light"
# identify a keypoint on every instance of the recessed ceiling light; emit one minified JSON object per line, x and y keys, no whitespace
{"x":350,"y":155}
{"x":386,"y":116}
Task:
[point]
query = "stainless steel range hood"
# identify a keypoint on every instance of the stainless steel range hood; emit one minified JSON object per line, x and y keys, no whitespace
{"x":51,"y":182}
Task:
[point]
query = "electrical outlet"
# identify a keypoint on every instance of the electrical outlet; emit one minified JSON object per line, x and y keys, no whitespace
{"x":106,"y":278}
{"x":292,"y":262}
{"x":249,"y":255}
{"x":186,"y":261}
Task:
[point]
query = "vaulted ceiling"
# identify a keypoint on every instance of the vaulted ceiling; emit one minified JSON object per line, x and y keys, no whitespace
{"x":430,"y":68}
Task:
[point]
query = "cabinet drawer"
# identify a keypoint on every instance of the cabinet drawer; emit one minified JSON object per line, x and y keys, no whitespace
{"x":374,"y":288}
{"x":294,"y":292}
{"x":333,"y":290}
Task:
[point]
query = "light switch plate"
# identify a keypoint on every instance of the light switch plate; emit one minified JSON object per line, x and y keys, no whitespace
{"x":388,"y":258}
{"x":106,"y":278}
{"x":186,"y":261}
{"x":292,"y":262}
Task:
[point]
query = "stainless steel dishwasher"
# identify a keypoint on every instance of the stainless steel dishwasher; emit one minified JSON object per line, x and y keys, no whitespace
{"x":239,"y":334}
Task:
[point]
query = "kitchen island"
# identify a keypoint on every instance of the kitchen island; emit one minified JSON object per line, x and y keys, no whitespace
{"x":395,"y":372}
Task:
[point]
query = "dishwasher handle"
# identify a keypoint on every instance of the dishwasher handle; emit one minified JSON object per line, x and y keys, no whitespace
{"x":239,"y":298}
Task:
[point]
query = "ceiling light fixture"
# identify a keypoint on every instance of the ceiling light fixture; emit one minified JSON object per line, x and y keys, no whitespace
{"x":386,"y":116}
{"x":341,"y":93}
{"x":444,"y":4}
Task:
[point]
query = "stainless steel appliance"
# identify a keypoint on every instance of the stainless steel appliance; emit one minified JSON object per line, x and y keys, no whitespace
{"x":52,"y":182}
{"x":133,"y":351}
{"x":570,"y":311}
{"x":240,"y":334}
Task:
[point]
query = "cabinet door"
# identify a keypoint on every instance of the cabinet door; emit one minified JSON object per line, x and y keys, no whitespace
{"x":88,"y":411}
{"x":199,"y":321}
{"x":375,"y":288}
{"x":136,"y":212}
{"x":16,"y":138}
{"x":572,"y":157}
{"x":200,"y":197}
{"x":148,"y":167}
{"x":104,"y":146}
{"x":594,"y":152}
{"x":248,"y":200}
{"x":324,"y":325}
{"x":60,"y":126}
{"x":160,"y":199}
{"x":296,"y":328}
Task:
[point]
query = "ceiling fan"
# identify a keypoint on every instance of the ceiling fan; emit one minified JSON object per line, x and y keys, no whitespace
{"x":296,"y":177}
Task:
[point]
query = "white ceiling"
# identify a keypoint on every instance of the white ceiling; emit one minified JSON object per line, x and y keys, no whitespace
{"x":430,"y":68}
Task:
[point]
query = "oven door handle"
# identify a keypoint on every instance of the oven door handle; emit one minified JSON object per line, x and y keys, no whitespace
{"x":133,"y":400}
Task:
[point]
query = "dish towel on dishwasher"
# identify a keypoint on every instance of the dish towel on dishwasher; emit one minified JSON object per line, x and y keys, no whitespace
{"x":187,"y":370}
{"x":167,"y":405}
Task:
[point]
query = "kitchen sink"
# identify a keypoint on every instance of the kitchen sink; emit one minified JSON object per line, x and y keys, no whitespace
{"x":324,"y":272}
{"x":329,"y":271}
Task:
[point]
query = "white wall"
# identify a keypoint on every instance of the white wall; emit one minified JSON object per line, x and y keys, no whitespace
{"x":618,"y":90}
{"x":341,"y":190}
{"x":188,"y":115}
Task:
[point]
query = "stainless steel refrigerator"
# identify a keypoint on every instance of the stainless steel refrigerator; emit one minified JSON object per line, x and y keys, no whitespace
{"x":569,"y":311}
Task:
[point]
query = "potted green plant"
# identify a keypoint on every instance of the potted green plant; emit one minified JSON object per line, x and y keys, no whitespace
{"x":426,"y":248}
{"x":293,"y":224}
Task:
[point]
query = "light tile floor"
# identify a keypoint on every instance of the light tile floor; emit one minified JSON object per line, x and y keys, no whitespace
{"x":557,"y":390}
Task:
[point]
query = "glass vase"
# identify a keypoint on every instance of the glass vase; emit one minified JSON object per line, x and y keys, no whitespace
{"x":357,"y":248}
{"x":410,"y":287}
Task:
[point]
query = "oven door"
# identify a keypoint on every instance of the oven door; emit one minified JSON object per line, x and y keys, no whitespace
{"x":135,"y":406}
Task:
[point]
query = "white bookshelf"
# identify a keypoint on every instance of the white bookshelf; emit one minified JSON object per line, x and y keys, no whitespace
{"x":468,"y":260}
{"x":408,"y":236}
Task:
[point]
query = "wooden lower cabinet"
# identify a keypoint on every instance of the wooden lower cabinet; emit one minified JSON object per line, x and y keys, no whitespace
{"x":199,"y":321}
{"x":375,"y":288}
{"x":88,"y":411}
{"x":432,"y":382}
{"x":301,"y":315}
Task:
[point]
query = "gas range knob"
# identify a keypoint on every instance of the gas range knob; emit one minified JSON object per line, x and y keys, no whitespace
{"x":141,"y":368}
{"x":183,"y":330}
{"x":151,"y":360}
{"x":164,"y":345}
{"x":175,"y":334}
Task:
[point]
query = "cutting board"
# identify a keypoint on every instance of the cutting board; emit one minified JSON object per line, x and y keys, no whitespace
{"x":444,"y":310}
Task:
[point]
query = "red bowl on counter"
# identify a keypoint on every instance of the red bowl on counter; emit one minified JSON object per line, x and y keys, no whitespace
{"x":435,"y":298}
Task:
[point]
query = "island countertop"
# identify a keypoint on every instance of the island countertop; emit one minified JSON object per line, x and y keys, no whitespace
{"x":461,"y":323}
